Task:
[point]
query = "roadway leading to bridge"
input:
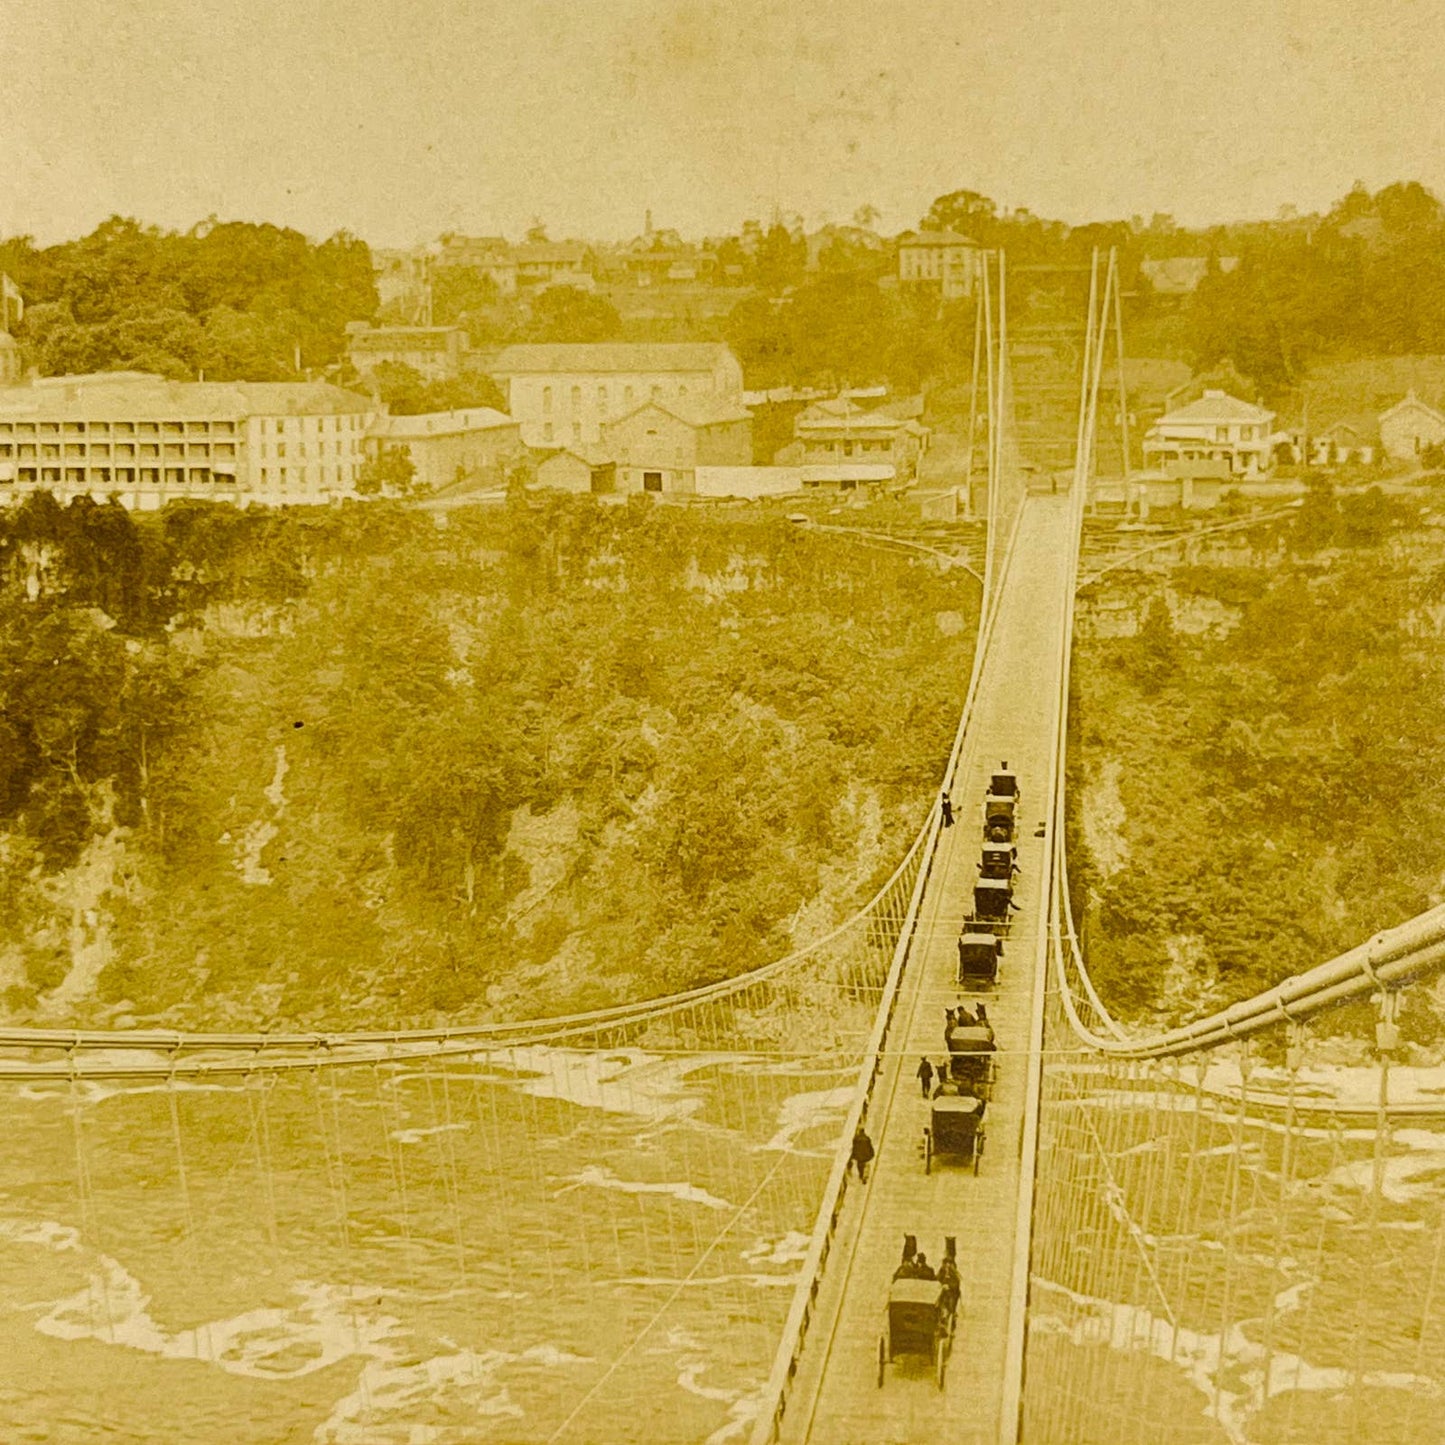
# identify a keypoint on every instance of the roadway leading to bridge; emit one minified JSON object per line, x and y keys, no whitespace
{"x":835,"y":1399}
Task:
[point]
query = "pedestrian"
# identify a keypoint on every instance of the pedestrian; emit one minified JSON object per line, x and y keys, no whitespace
{"x":982,"y":1015}
{"x":862,"y":1153}
{"x":925,"y":1073}
{"x":947,"y":810}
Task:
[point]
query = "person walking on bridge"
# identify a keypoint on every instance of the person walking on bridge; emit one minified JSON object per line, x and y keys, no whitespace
{"x":862,"y":1153}
{"x":925,"y":1075}
{"x":947,"y":806}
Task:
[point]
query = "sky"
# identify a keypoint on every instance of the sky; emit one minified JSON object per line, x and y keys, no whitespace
{"x":400,"y":119}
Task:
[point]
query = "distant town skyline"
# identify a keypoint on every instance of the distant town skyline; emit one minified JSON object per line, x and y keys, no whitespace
{"x":401,"y":119}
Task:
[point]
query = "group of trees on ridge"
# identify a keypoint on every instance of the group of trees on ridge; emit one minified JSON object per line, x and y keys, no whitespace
{"x":259,"y":302}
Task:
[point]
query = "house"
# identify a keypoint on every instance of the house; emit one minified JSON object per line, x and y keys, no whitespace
{"x":941,"y":260}
{"x":400,"y":276}
{"x":659,"y":446}
{"x":663,"y":257}
{"x":437,"y":352}
{"x":477,"y":444}
{"x":1410,"y":426}
{"x":490,"y":255}
{"x":553,"y":263}
{"x":1348,"y":440}
{"x":577,"y":471}
{"x":836,"y":431}
{"x":563,"y":394}
{"x":148,"y":440}
{"x":1216,"y":427}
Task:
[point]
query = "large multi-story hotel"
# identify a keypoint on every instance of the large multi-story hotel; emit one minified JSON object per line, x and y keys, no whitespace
{"x":147,"y":440}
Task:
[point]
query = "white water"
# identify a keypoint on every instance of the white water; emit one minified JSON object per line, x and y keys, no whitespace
{"x":1231,"y":1371}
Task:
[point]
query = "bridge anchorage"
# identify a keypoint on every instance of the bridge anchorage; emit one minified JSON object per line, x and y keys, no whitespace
{"x":643,"y":1223}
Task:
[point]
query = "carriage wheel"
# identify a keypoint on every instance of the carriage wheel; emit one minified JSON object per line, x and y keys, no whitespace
{"x":882,"y":1360}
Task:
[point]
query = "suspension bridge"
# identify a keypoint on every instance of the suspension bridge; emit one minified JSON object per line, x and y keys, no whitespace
{"x":639,"y":1223}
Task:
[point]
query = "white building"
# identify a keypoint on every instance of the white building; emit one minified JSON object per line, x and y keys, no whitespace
{"x":563,"y":394}
{"x":148,"y":440}
{"x":1217,"y":427}
{"x":1410,"y":426}
{"x":943,"y":260}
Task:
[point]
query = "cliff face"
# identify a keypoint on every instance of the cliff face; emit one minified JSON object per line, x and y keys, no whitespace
{"x":346,"y":768}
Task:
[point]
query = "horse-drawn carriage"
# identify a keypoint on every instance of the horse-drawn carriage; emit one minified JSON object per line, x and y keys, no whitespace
{"x":1000,"y":806}
{"x":999,"y":860}
{"x":918,"y":1322}
{"x":998,"y":818}
{"x":970,"y":1057}
{"x":993,"y":901}
{"x":1004,"y":783}
{"x":955,"y":1127}
{"x":979,"y":953}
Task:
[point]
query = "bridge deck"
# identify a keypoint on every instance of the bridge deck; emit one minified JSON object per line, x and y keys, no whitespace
{"x":835,"y":1399}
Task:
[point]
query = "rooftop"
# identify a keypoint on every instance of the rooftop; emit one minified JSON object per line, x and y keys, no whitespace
{"x":934,"y":238}
{"x":698,"y":411}
{"x":609,"y":356}
{"x":1217,"y":406}
{"x":128,"y":395}
{"x":442,"y":423}
{"x":841,"y":412}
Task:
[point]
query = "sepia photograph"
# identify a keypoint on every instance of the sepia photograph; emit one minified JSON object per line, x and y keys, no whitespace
{"x":720,"y":722}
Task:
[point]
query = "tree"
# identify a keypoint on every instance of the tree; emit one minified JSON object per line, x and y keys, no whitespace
{"x":969,"y":213}
{"x":781,"y":260}
{"x":406,"y":392}
{"x":565,"y":313}
{"x":459,"y":291}
{"x":389,"y":473}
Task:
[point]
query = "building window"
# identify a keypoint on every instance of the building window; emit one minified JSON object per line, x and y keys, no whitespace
{"x":175,"y":476}
{"x":601,"y":398}
{"x":652,"y":481}
{"x":576,"y":431}
{"x":75,"y":474}
{"x":576,"y":398}
{"x":125,"y":474}
{"x":281,"y":452}
{"x":546,"y":398}
{"x":546,"y":431}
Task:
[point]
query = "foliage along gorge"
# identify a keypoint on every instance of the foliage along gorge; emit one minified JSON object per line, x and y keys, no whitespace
{"x":1256,"y":755}
{"x":353,"y":767}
